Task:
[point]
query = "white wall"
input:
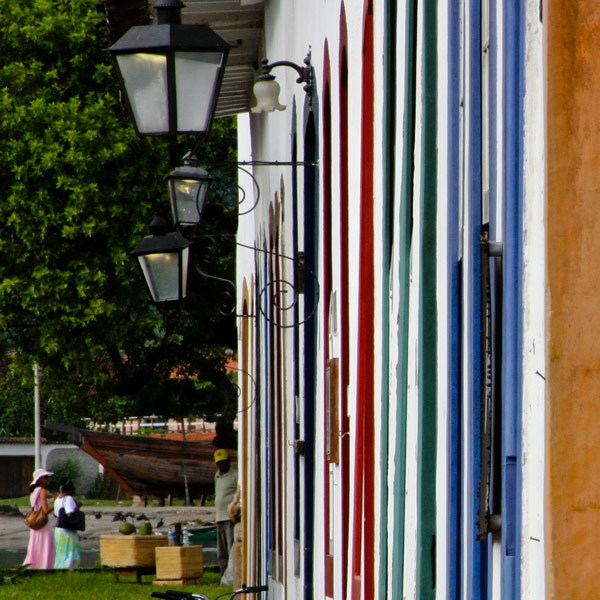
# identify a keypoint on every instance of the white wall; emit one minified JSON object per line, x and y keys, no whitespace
{"x":534,"y":369}
{"x":291,"y":28}
{"x":51,"y":453}
{"x":314,"y":23}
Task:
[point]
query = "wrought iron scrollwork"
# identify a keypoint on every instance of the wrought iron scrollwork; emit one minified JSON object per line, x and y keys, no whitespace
{"x":279,"y":297}
{"x":254,"y":388}
{"x":191,"y":160}
{"x":279,"y":294}
{"x":226,"y":300}
{"x":206,"y":253}
{"x":244,"y":195}
{"x":284,"y":295}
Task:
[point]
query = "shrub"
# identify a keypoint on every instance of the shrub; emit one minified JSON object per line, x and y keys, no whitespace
{"x":102,"y":488}
{"x":67,"y":467}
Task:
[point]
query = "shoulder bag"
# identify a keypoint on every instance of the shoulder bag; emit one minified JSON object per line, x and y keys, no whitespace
{"x":36,"y":518}
{"x":76,"y":522}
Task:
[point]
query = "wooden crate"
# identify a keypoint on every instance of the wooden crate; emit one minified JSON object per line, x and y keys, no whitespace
{"x":188,"y":581}
{"x":130,"y":550}
{"x":179,"y":562}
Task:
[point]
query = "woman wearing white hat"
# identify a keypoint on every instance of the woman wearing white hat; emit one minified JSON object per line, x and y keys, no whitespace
{"x":40,"y":552}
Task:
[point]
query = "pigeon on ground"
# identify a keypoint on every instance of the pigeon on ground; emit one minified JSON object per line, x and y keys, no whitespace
{"x":141,"y":517}
{"x":160,"y":523}
{"x":119,"y":517}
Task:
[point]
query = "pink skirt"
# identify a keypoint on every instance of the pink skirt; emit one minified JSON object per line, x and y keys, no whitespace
{"x":40,"y":551}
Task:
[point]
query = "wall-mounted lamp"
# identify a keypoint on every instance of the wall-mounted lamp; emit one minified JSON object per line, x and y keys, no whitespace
{"x":188,"y":186}
{"x":164,"y":257}
{"x":266,"y":89}
{"x":171,"y":73}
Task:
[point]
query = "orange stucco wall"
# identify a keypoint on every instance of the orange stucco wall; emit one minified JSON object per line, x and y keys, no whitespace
{"x":573,"y":307}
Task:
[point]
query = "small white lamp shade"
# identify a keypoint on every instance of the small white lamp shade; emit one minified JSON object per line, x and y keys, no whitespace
{"x":267,"y":96}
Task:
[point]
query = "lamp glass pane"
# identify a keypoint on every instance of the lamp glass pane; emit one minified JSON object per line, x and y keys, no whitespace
{"x":185,"y":253}
{"x":162,"y":272}
{"x":196,"y":74}
{"x":188,"y":200}
{"x":145,"y":77}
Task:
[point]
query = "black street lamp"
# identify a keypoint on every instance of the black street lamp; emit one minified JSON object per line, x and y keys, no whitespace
{"x":171,"y":73}
{"x":188,"y":186}
{"x":163,"y":257}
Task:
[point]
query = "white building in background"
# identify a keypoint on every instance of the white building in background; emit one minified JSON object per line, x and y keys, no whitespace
{"x":17,"y":463}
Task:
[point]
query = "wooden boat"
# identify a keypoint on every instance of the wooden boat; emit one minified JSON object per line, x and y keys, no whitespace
{"x":150,"y":466}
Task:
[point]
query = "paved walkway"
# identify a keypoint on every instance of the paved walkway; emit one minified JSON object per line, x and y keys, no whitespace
{"x":14,"y":534}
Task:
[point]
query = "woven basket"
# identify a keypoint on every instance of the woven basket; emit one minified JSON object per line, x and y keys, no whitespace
{"x":179,"y":562}
{"x":130,"y":550}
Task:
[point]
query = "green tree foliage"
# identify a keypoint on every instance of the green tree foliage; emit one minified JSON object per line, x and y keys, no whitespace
{"x":16,"y":404}
{"x":78,"y":190}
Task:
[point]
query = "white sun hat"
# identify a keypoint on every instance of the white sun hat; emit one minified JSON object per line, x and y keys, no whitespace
{"x":39,"y":473}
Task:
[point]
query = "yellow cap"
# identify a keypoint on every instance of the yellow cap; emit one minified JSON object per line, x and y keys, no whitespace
{"x":221,"y":454}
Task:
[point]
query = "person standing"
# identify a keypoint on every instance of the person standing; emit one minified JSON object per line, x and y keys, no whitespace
{"x":40,"y":551}
{"x":226,"y":481}
{"x":67,"y":546}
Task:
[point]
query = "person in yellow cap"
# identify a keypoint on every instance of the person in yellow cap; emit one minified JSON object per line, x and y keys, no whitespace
{"x":226,"y":481}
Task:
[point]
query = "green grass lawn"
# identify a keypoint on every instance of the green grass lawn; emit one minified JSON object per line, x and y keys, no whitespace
{"x":100,"y":585}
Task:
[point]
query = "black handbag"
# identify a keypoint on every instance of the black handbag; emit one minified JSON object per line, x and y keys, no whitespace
{"x":76,"y":522}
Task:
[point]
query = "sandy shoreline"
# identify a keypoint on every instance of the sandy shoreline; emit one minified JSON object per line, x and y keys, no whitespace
{"x":14,"y":534}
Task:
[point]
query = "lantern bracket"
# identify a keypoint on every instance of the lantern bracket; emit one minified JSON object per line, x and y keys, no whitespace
{"x":192,"y":164}
{"x":277,"y":299}
{"x":305,"y":75}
